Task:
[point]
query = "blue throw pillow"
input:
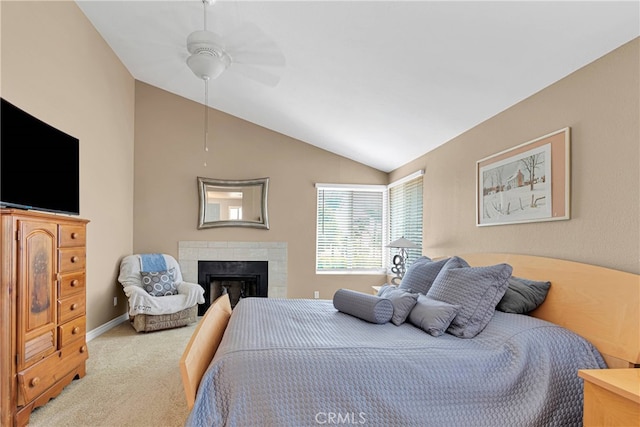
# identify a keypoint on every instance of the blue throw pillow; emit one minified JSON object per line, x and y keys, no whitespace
{"x":403,"y":301}
{"x":159,"y":283}
{"x":432,"y":316}
{"x":523,"y":295}
{"x":477,"y":290}
{"x":421,"y":274}
{"x":367,"y":307}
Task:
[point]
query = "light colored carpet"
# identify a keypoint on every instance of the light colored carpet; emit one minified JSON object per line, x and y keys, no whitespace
{"x":133,"y":379}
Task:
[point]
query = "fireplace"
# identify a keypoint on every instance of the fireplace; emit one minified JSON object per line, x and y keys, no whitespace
{"x":239,"y":279}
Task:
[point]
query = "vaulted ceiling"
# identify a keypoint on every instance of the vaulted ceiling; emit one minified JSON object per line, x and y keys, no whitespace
{"x":380,"y":82}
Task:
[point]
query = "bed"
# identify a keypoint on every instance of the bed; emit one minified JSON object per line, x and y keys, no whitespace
{"x":302,"y":362}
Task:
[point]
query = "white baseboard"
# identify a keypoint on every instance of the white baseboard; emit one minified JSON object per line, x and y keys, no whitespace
{"x":95,"y":333}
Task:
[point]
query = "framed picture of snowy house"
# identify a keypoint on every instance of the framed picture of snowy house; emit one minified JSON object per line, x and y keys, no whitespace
{"x":526,"y":183}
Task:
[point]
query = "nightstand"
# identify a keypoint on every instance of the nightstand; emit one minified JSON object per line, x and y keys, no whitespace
{"x":611,"y":397}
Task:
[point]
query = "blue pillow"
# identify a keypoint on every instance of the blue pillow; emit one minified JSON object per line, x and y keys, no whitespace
{"x":455,"y":262}
{"x":159,"y":283}
{"x":523,"y":295}
{"x":367,"y":307}
{"x":422,"y":273}
{"x":477,"y":290}
{"x":432,"y":316}
{"x":402,"y":300}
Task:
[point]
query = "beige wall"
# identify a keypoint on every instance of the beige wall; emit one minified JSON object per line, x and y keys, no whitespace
{"x":56,"y":67}
{"x":169,"y":157}
{"x":600,"y":103}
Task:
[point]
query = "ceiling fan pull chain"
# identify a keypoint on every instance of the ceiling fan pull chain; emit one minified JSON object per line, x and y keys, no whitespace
{"x":206,"y":78}
{"x":206,"y":118}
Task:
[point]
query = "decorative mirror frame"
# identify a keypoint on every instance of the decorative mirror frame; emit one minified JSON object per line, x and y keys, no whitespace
{"x":203,"y":183}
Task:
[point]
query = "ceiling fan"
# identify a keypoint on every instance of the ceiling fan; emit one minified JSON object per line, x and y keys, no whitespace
{"x":243,"y":48}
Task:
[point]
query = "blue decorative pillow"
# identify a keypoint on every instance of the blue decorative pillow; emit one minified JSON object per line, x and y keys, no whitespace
{"x":421,"y":274}
{"x":159,"y":283}
{"x":363,"y":306}
{"x":455,"y":262}
{"x":403,"y":301}
{"x":523,"y":295}
{"x":477,"y":290}
{"x":432,"y":316}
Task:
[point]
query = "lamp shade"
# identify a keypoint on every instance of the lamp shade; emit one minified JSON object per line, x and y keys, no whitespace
{"x":402,"y":243}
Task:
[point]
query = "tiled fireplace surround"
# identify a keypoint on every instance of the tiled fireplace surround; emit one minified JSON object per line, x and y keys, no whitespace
{"x":275,"y":253}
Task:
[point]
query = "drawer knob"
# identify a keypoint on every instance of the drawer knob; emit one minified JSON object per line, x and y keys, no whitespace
{"x":74,"y":282}
{"x":83,"y":349}
{"x":75,"y":330}
{"x":74,"y":235}
{"x":74,"y":259}
{"x":34,"y":381}
{"x":74,"y":306}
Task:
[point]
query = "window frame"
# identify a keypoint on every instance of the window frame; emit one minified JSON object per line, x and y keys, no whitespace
{"x":378,"y":188}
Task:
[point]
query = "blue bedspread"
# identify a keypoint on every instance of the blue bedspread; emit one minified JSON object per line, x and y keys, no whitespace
{"x":288,"y":362}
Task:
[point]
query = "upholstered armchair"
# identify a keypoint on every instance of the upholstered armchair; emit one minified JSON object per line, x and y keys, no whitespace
{"x":158,"y":296}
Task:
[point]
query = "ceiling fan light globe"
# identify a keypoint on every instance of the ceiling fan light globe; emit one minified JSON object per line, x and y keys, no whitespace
{"x":206,"y":66}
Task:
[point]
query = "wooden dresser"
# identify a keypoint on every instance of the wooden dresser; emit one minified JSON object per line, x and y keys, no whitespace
{"x":42,"y":309}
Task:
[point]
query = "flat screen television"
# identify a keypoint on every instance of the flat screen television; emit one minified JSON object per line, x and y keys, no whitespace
{"x":39,"y":164}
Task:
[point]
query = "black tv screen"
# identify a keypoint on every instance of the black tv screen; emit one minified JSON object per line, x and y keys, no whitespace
{"x":39,"y":164}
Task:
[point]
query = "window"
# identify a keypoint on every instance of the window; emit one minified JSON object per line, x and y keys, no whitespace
{"x":405,"y":213}
{"x":356,"y":222}
{"x":350,"y":231}
{"x":235,"y":212}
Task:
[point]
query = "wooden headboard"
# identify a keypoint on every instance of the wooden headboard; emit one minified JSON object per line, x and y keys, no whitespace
{"x":600,"y":304}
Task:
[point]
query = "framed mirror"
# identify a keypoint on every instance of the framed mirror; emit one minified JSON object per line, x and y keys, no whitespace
{"x":228,"y":203}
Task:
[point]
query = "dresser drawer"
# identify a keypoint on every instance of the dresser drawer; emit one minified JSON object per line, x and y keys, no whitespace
{"x":73,"y":356}
{"x":39,"y":377}
{"x":71,"y":283}
{"x":71,"y":236}
{"x":73,"y":259}
{"x":71,"y":307}
{"x":72,"y":330}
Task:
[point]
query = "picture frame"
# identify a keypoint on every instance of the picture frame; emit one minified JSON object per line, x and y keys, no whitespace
{"x":527,"y":183}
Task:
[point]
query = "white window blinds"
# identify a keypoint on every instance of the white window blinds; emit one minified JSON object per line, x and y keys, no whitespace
{"x":350,"y":228}
{"x":405,"y":213}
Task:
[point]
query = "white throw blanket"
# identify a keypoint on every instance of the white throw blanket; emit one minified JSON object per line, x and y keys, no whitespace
{"x":141,"y":302}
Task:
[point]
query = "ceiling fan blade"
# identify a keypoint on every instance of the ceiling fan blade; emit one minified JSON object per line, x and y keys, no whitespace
{"x":254,"y":73}
{"x":173,"y":70}
{"x":245,"y":34}
{"x":247,"y":43}
{"x":270,"y":59}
